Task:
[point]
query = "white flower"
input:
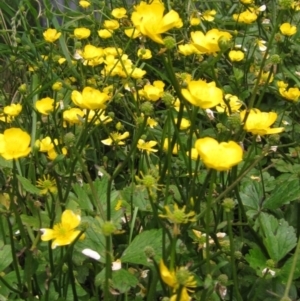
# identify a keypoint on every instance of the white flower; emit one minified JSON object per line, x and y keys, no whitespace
{"x":261,"y":45}
{"x":91,"y":253}
{"x":262,"y":8}
{"x":116,"y":265}
{"x":274,"y":148}
{"x":268,"y":271}
{"x":210,"y":114}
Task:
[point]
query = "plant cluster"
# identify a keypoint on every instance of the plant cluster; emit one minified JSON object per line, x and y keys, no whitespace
{"x":149,"y":151}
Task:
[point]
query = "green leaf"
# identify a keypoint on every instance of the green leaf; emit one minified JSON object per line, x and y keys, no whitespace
{"x":135,"y":252}
{"x":283,"y":194}
{"x":6,"y":258}
{"x":82,"y":199}
{"x":256,"y":260}
{"x":122,"y":280}
{"x":26,"y":184}
{"x":285,"y":270}
{"x":278,"y":237}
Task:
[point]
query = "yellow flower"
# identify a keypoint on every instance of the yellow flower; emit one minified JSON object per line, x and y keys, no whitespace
{"x":193,"y":154}
{"x":84,"y":4}
{"x":147,"y":146}
{"x":231,"y":104}
{"x":119,"y":13}
{"x":209,"y":43}
{"x":82,"y":33}
{"x":104,"y":33}
{"x":13,"y":110}
{"x":181,"y":278}
{"x":116,"y":138}
{"x":91,"y":52}
{"x":57,"y":86}
{"x":14,"y":144}
{"x":236,"y":55}
{"x":132,"y":33}
{"x":282,"y":85}
{"x":292,"y":94}
{"x":73,"y":116}
{"x":151,"y":122}
{"x":90,"y":98}
{"x":187,"y":49}
{"x":184,"y":124}
{"x":51,"y":35}
{"x":248,"y":16}
{"x":153,"y":92}
{"x":166,"y":145}
{"x":288,"y":29}
{"x":266,"y":78}
{"x":52,"y":154}
{"x":149,"y":19}
{"x":144,"y":54}
{"x":46,"y":184}
{"x":45,"y":105}
{"x":178,"y":216}
{"x":111,"y":24}
{"x":259,"y":123}
{"x":194,"y":21}
{"x":246,"y":1}
{"x":45,"y":144}
{"x":97,"y":117}
{"x":220,"y":156}
{"x":202,"y":94}
{"x":63,"y":233}
{"x":208,"y":15}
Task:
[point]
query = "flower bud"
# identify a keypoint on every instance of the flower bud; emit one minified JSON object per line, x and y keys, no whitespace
{"x":169,"y":42}
{"x":22,"y":89}
{"x":69,"y":139}
{"x":108,"y":228}
{"x":228,"y":204}
{"x":285,"y":4}
{"x":149,"y":252}
{"x":147,"y":108}
{"x":223,"y":279}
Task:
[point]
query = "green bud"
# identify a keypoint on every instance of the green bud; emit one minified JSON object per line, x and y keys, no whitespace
{"x":69,"y":139}
{"x":108,"y":228}
{"x":147,"y":108}
{"x":224,"y":43}
{"x":270,"y":263}
{"x":168,"y":99}
{"x":223,"y":279}
{"x":275,"y":59}
{"x":22,"y":89}
{"x":182,"y":276}
{"x":285,"y":4}
{"x":78,"y":45}
{"x":228,"y":204}
{"x":169,"y":42}
{"x":149,"y":252}
{"x":238,"y":255}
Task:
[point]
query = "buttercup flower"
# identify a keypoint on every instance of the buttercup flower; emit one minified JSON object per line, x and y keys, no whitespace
{"x":13,"y":110}
{"x":84,"y":4}
{"x":90,"y":98}
{"x":202,"y":94}
{"x":45,"y":105}
{"x":194,"y":21}
{"x":231,"y":104}
{"x":51,"y":35}
{"x":153,"y":92}
{"x":45,"y":144}
{"x":209,"y":43}
{"x":288,"y":29}
{"x":82,"y":33}
{"x":208,"y":15}
{"x":63,"y":233}
{"x":259,"y":123}
{"x":105,"y":33}
{"x":46,"y":184}
{"x":166,"y":144}
{"x":14,"y":144}
{"x":73,"y":116}
{"x":248,"y":16}
{"x":111,"y":24}
{"x":119,"y":13}
{"x":236,"y":55}
{"x":219,"y":156}
{"x":291,"y":94}
{"x":144,"y":54}
{"x":149,"y":19}
{"x":176,"y":279}
{"x":147,"y":146}
{"x":184,"y":124}
{"x":178,"y":216}
{"x":116,"y":138}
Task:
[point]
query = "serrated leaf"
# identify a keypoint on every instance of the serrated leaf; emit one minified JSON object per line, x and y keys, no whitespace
{"x":26,"y":184}
{"x":122,"y":280}
{"x":279,"y":238}
{"x":135,"y":252}
{"x":251,"y":196}
{"x":256,"y":260}
{"x":6,"y":258}
{"x":82,"y":199}
{"x":283,"y":194}
{"x":285,"y":270}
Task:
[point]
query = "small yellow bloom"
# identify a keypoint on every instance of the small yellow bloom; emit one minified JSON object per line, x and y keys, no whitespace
{"x":82,"y":33}
{"x":288,"y":29}
{"x":178,"y":216}
{"x":132,"y":33}
{"x":292,"y":94}
{"x":151,"y":122}
{"x":91,"y":52}
{"x":46,"y":144}
{"x":45,"y":105}
{"x":13,"y":110}
{"x":119,"y":13}
{"x":152,"y":92}
{"x":57,"y":86}
{"x":144,"y":54}
{"x":63,"y":233}
{"x":147,"y":146}
{"x":208,"y":15}
{"x":90,"y":98}
{"x":259,"y":123}
{"x":194,"y":21}
{"x":231,"y":104}
{"x":116,"y":138}
{"x":219,"y":156}
{"x":105,"y":33}
{"x":184,"y":124}
{"x":51,"y":35}
{"x":187,"y":49}
{"x":246,"y":1}
{"x":248,"y":16}
{"x":111,"y":24}
{"x":46,"y":184}
{"x":149,"y":19}
{"x":84,"y":4}
{"x":14,"y":144}
{"x":236,"y":55}
{"x":193,"y":154}
{"x":73,"y":116}
{"x":202,"y":94}
{"x":166,"y":145}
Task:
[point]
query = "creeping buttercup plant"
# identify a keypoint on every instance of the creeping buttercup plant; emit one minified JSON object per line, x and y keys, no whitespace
{"x":149,"y":150}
